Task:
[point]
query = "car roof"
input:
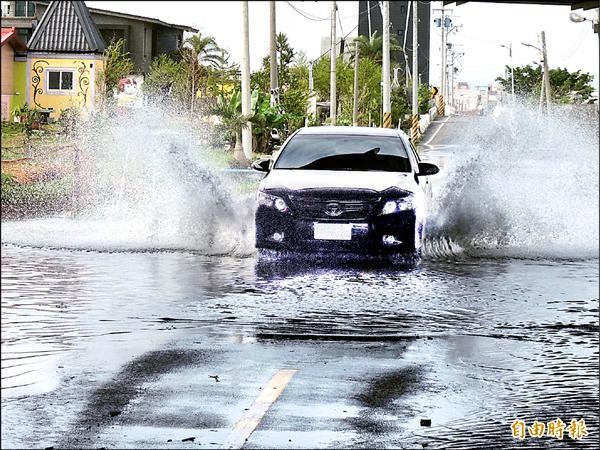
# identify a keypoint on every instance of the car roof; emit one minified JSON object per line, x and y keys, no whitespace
{"x":358,"y":131}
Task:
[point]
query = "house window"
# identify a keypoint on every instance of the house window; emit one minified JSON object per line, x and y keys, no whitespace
{"x":24,"y":9}
{"x":24,"y":34}
{"x":5,"y":8}
{"x":59,"y":80}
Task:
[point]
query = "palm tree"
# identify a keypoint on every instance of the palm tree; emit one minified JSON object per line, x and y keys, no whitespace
{"x":205,"y":48}
{"x":372,"y":48}
{"x":197,"y":53}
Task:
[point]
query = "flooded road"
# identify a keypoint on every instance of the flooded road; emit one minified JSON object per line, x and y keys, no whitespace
{"x":470,"y":344}
{"x":134,"y":333}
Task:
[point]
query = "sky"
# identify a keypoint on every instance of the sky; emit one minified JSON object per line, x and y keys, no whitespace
{"x":483,"y":27}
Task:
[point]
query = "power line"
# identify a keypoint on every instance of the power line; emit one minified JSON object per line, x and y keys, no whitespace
{"x":340,"y":22}
{"x":575,"y":47}
{"x":307,"y":15}
{"x":337,"y":42}
{"x":314,"y":18}
{"x":317,"y":19}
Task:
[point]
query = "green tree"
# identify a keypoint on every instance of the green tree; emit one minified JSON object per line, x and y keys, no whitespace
{"x":166,"y":76}
{"x":424,"y":98}
{"x":117,"y":64}
{"x":223,"y":76}
{"x":566,"y":87}
{"x":293,"y":90}
{"x":285,"y":57}
{"x":369,"y":92}
{"x":344,"y":79}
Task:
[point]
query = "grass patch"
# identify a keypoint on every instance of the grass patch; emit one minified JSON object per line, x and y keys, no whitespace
{"x":14,"y":140}
{"x":35,"y":199}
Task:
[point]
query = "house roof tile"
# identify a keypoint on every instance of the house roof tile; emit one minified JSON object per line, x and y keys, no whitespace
{"x":10,"y":35}
{"x":67,"y":26}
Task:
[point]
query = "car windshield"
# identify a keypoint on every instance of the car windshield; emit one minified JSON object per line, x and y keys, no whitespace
{"x":344,"y":152}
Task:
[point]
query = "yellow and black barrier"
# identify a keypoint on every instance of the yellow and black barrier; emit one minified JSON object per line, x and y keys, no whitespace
{"x":415,"y":130}
{"x":441,"y":105}
{"x":387,"y":120}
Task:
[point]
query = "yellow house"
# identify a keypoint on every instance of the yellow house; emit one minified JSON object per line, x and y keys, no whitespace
{"x":13,"y":72}
{"x":64,"y":59}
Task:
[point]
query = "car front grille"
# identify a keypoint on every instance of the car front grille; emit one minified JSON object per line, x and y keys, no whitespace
{"x":353,"y":205}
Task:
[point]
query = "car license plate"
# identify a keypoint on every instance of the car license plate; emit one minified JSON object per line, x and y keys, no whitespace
{"x":333,"y":231}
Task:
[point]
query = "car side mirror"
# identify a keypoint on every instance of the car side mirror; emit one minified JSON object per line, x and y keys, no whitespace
{"x":427,"y":169}
{"x":262,"y":165}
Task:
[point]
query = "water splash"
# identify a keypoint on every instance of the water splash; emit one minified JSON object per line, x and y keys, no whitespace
{"x":523,"y":185}
{"x":147,"y":182}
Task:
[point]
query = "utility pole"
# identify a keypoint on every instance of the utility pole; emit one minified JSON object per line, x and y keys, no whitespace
{"x":546,"y":72}
{"x":512,"y":72}
{"x":385,"y":68}
{"x":443,"y":27}
{"x":273,"y":52}
{"x":541,"y":105}
{"x":332,"y":74}
{"x":246,"y":131}
{"x":369,"y":17}
{"x":449,"y":70}
{"x":415,"y":77}
{"x":406,"y":70}
{"x":355,"y":103}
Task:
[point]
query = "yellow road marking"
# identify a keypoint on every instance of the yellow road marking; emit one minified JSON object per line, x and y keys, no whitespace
{"x":250,"y":420}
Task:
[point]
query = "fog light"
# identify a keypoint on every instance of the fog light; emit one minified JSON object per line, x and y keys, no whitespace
{"x":278,"y":237}
{"x":389,"y":207}
{"x":280,"y":205}
{"x":388,"y":239}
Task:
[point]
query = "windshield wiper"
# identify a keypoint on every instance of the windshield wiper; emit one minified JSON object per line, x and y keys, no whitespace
{"x":372,"y":152}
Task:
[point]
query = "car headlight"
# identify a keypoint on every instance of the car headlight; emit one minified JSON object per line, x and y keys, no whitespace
{"x":272,"y":201}
{"x":400,"y":204}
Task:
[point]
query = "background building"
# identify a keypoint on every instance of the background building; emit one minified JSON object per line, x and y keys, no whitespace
{"x":145,"y":38}
{"x":14,"y":57}
{"x":63,"y":59}
{"x":400,"y":26}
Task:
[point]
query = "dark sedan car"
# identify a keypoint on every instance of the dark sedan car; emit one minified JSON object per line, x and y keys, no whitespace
{"x":343,"y":189}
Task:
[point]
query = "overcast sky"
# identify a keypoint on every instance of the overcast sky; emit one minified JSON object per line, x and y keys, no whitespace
{"x":484,"y":26}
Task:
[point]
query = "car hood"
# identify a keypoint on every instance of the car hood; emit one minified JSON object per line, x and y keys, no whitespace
{"x":307,"y":179}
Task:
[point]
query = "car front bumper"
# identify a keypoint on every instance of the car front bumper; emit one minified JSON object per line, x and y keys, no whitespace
{"x":285,"y":232}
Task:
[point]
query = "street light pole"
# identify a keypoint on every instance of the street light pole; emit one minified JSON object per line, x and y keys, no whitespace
{"x":512,"y":71}
{"x":544,"y":74}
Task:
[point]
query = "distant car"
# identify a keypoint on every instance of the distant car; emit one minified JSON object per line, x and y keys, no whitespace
{"x":343,"y":189}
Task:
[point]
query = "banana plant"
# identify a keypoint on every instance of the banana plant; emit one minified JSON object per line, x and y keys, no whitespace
{"x":262,"y":115}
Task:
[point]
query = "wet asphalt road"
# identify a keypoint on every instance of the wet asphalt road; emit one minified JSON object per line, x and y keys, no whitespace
{"x":149,"y":350}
